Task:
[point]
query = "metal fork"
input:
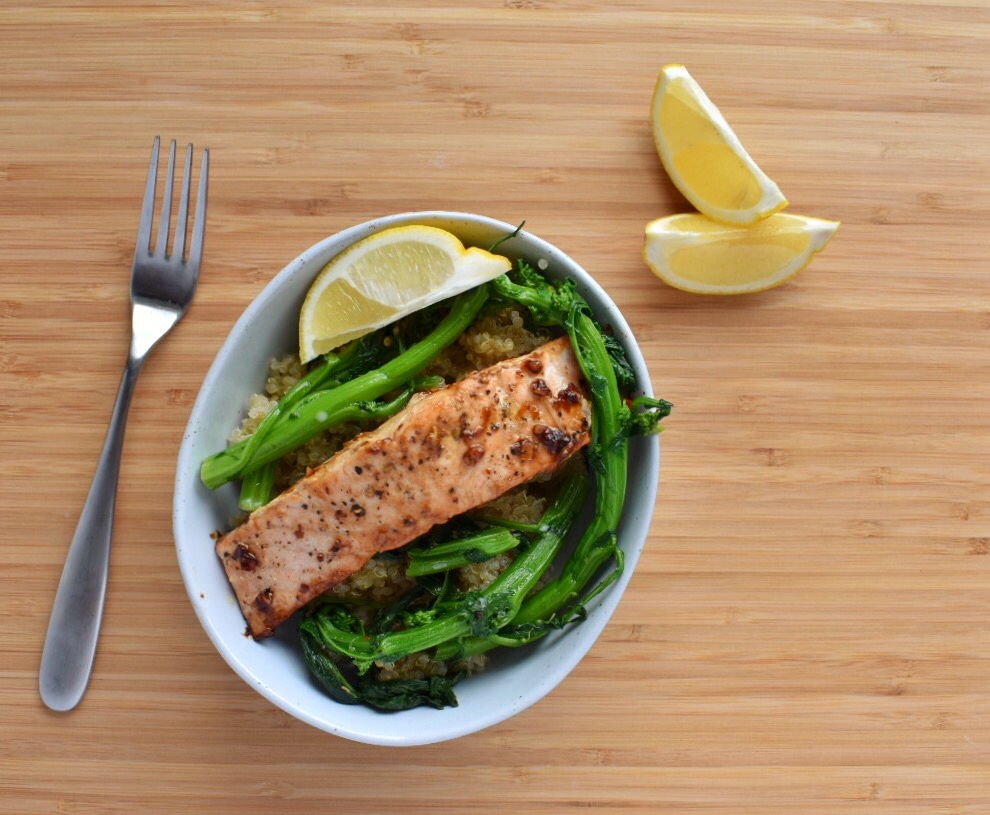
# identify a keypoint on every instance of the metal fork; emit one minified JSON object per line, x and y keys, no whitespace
{"x":162,"y":286}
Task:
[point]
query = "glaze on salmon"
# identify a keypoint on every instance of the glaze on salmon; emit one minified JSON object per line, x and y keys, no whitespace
{"x":449,"y":451}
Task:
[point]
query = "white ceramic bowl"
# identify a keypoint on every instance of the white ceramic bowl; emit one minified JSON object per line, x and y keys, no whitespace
{"x":514,"y":679}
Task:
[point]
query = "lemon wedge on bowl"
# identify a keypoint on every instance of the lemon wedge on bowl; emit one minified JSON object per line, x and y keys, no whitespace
{"x":693,"y":253}
{"x":704,"y":157}
{"x":384,"y":277}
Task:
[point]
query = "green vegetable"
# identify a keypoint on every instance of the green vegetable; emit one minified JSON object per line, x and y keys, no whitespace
{"x":613,"y":421}
{"x":396,"y":694}
{"x":403,"y":694}
{"x":553,"y":305}
{"x":547,"y":304}
{"x":317,"y":411}
{"x":457,"y":553}
{"x":256,"y":487}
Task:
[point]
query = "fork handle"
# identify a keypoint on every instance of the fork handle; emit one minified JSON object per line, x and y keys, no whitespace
{"x":74,"y":627}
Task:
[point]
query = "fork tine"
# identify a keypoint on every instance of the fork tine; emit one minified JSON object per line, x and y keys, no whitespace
{"x":199,"y":225}
{"x":179,"y":245}
{"x":166,"y":219}
{"x":147,"y":208}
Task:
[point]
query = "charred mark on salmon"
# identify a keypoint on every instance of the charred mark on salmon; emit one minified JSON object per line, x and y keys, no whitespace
{"x":555,"y":440}
{"x":568,"y":395}
{"x":522,"y":447}
{"x":263,"y":602}
{"x":540,"y":387}
{"x":474,"y":453}
{"x":246,"y":559}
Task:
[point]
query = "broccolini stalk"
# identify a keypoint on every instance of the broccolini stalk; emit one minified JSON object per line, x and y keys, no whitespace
{"x":525,"y":571}
{"x":613,"y":421}
{"x":257,"y":484}
{"x":257,"y":487}
{"x":481,"y":613}
{"x":506,"y":523}
{"x":609,"y":455}
{"x":317,"y":411}
{"x":360,"y":356}
{"x":456,"y":553}
{"x":218,"y":469}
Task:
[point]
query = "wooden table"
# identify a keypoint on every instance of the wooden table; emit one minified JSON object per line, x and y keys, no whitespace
{"x":808,"y":629}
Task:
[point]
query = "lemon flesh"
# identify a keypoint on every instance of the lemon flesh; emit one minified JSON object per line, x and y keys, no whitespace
{"x":704,"y":157}
{"x":385,"y":277}
{"x":696,"y":254}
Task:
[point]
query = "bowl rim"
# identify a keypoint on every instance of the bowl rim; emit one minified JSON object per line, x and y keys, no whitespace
{"x":187,"y":474}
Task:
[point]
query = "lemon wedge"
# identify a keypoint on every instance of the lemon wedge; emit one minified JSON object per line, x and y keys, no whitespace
{"x":704,"y":157}
{"x":387,"y":276}
{"x":696,"y":254}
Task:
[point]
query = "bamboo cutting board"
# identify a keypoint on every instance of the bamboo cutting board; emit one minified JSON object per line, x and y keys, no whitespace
{"x":807,"y":630}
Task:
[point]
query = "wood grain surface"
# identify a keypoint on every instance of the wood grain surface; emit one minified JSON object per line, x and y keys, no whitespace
{"x":808,"y":628}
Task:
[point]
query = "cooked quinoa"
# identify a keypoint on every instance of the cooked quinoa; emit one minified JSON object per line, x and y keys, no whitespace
{"x":382,"y":580}
{"x":497,"y":335}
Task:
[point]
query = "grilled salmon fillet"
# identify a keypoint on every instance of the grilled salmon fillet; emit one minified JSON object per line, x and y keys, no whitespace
{"x":449,"y":451}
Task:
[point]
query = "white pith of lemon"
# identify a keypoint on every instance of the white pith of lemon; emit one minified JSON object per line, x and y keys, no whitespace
{"x":693,"y":253}
{"x":704,"y":157}
{"x":387,"y":276}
